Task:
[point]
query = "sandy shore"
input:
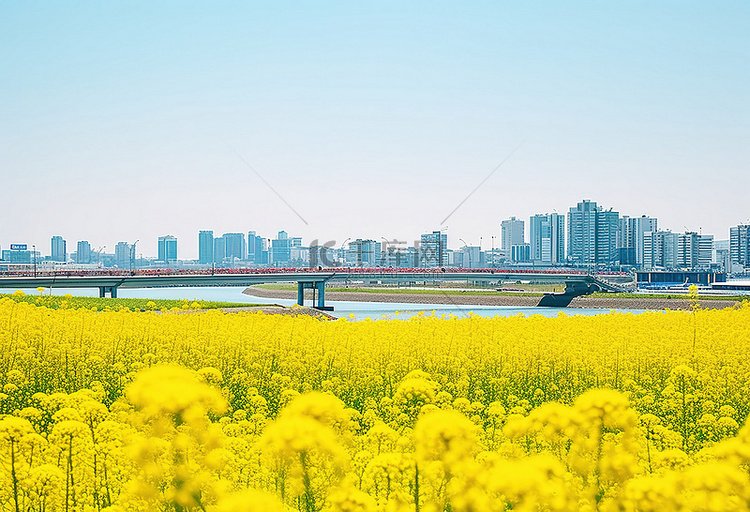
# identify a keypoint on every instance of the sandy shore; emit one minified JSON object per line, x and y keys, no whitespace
{"x":497,"y":300}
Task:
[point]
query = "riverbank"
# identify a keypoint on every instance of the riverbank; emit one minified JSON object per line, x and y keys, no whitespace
{"x":500,"y":300}
{"x":274,"y":309}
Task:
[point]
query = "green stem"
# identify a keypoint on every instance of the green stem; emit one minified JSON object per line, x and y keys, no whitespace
{"x":416,"y":487}
{"x":309,"y":495}
{"x":648,"y":448}
{"x":13,"y":473}
{"x":597,"y":468}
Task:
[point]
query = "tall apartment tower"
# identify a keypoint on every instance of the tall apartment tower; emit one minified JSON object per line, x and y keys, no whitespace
{"x":220,"y":249}
{"x":694,"y":251}
{"x":123,"y":255}
{"x":705,"y":250}
{"x":606,"y":236}
{"x":630,"y":238}
{"x":281,"y":249}
{"x":83,"y":252}
{"x":660,"y":250}
{"x":639,"y":227}
{"x":687,"y":250}
{"x":434,"y":249}
{"x":592,"y":234}
{"x":235,"y":246}
{"x":363,"y":253}
{"x":168,"y":249}
{"x":205,"y":247}
{"x":721,"y":255}
{"x":625,"y":242}
{"x":582,"y":233}
{"x":59,"y":249}
{"x":739,"y":244}
{"x":511,"y":233}
{"x":547,"y":238}
{"x":255,"y":248}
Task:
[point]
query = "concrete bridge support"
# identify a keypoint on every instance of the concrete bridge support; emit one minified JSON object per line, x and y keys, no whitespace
{"x":111,"y":290}
{"x":319,"y":294}
{"x":301,"y":293}
{"x":321,"y":287}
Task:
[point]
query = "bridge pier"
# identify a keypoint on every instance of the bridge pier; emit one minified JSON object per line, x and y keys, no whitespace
{"x":321,"y":286}
{"x":111,"y":290}
{"x":301,"y":293}
{"x":319,"y":294}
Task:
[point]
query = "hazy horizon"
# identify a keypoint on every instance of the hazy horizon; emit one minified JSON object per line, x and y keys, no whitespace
{"x":123,"y":121}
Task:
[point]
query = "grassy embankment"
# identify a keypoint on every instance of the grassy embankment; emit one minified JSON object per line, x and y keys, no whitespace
{"x":533,"y":290}
{"x":104,"y":304}
{"x":404,"y":291}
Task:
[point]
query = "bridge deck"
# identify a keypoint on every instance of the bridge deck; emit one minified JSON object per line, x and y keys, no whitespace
{"x":197,"y":280}
{"x":576,"y":283}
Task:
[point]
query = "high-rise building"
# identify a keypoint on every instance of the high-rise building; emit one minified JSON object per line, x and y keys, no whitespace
{"x":59,"y":249}
{"x":471,"y":256}
{"x":168,"y":249}
{"x":235,"y":246}
{"x":592,"y":234}
{"x":547,"y":238}
{"x":363,"y":253}
{"x":322,"y":255}
{"x":299,"y":255}
{"x":625,"y":242}
{"x":280,"y":249}
{"x":123,"y":255}
{"x":639,"y":226}
{"x":721,"y":255}
{"x":687,"y":250}
{"x":660,"y":250}
{"x":630,"y":238}
{"x":19,"y":253}
{"x":608,"y":221}
{"x":739,"y":244}
{"x":280,"y":253}
{"x":433,"y":249}
{"x":255,"y":245}
{"x":694,"y":251}
{"x":83,"y":252}
{"x":220,"y":249}
{"x":520,"y":253}
{"x":705,"y":251}
{"x":206,"y":247}
{"x":582,"y":233}
{"x":511,"y":233}
{"x":394,"y":254}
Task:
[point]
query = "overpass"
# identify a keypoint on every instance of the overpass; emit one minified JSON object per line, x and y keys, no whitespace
{"x":108,"y":283}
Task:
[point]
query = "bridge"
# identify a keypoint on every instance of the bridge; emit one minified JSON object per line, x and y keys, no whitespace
{"x":109,"y":282}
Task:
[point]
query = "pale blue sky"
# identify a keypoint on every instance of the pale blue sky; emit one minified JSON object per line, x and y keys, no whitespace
{"x":118,"y":119}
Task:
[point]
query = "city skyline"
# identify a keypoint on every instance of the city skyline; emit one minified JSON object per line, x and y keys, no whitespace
{"x":595,"y":236}
{"x":131,"y":122}
{"x":190,"y":251}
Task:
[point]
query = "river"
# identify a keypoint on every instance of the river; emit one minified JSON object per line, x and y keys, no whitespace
{"x":342,"y":309}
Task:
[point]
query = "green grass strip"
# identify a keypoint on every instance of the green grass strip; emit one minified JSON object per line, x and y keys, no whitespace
{"x":448,"y":291}
{"x":104,"y":304}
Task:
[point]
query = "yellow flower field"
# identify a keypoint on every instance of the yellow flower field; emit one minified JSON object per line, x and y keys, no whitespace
{"x":119,"y":411}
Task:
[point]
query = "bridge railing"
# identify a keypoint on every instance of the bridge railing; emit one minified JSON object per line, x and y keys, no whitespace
{"x":274,"y":270}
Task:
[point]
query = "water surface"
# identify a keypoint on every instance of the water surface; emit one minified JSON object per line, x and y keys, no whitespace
{"x":342,"y":309}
